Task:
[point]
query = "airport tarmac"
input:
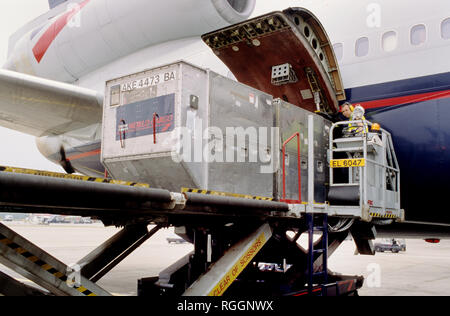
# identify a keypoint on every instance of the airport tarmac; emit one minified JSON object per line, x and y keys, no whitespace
{"x":424,"y":269}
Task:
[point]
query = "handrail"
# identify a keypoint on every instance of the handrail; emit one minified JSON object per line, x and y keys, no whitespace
{"x":388,"y":165}
{"x":299,"y":201}
{"x":155,"y":115}
{"x":122,"y":132}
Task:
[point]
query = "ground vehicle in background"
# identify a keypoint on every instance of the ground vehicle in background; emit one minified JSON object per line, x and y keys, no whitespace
{"x":9,"y":218}
{"x":390,"y":245}
{"x":402,"y":244}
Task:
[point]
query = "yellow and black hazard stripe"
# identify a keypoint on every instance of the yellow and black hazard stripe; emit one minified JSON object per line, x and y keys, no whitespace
{"x":45,"y":266}
{"x":378,"y":215}
{"x":217,"y":193}
{"x":70,"y":176}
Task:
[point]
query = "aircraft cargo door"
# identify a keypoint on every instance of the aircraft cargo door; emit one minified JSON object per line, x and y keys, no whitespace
{"x":285,"y":54}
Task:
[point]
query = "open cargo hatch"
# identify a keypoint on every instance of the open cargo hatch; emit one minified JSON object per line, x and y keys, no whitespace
{"x":285,"y":54}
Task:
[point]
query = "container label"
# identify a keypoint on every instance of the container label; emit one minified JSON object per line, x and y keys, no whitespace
{"x":136,"y":119}
{"x":149,"y":81}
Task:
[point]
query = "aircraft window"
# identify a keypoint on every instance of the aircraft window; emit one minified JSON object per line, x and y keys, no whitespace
{"x":339,"y":51}
{"x":389,"y":41}
{"x":445,"y":29}
{"x":418,"y":34}
{"x":362,"y":47}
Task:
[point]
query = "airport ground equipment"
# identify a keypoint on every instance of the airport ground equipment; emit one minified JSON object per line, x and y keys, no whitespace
{"x":236,"y":234}
{"x":242,"y":204}
{"x":34,"y":263}
{"x":373,"y":178}
{"x":224,"y":228}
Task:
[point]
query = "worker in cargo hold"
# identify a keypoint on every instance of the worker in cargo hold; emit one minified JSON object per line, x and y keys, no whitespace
{"x":358,"y":115}
{"x":353,"y":113}
{"x":347,"y":109}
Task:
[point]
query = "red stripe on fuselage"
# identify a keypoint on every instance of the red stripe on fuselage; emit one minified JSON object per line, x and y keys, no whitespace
{"x":406,"y":99}
{"x":86,"y":154}
{"x":52,"y":32}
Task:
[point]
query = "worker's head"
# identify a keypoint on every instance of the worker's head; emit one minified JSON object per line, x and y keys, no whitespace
{"x":347,"y":109}
{"x":358,"y":112}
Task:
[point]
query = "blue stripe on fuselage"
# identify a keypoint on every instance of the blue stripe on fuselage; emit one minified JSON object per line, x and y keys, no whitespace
{"x":400,"y":88}
{"x":421,"y":136}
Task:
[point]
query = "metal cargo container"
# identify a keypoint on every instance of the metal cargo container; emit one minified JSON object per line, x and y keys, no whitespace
{"x":182,"y":126}
{"x":292,"y":119}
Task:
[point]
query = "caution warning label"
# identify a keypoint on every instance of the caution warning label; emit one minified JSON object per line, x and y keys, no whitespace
{"x":239,"y":266}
